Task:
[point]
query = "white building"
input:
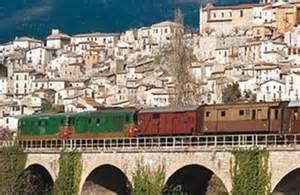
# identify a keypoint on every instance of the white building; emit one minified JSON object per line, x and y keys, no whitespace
{"x":39,"y":56}
{"x":3,"y":85}
{"x":265,"y":72}
{"x":163,"y":32}
{"x":27,"y":43}
{"x":22,"y":82}
{"x":103,"y":39}
{"x":57,"y":39}
{"x":10,"y":123}
{"x":271,"y":90}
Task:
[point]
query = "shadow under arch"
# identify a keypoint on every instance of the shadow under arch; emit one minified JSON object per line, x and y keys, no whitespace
{"x":194,"y":179}
{"x":35,"y":179}
{"x":289,"y":184}
{"x":106,"y":180}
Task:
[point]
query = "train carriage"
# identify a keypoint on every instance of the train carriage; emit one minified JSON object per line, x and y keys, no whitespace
{"x":294,"y":109}
{"x":169,"y":121}
{"x":246,"y":118}
{"x":104,"y":123}
{"x":43,"y":126}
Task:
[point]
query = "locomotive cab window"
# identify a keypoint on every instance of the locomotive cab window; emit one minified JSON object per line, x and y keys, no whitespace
{"x":98,"y":121}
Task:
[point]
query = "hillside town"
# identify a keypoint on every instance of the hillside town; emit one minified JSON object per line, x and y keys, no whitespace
{"x":255,"y":46}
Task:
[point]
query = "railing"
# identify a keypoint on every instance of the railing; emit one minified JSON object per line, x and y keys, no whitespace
{"x":165,"y":143}
{"x":5,"y":143}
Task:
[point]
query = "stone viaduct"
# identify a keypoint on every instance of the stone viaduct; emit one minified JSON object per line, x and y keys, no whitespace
{"x":282,"y":161}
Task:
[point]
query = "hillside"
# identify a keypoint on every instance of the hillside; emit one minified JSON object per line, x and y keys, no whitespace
{"x":37,"y":17}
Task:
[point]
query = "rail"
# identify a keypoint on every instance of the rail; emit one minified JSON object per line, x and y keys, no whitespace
{"x":6,"y":143}
{"x":164,"y":143}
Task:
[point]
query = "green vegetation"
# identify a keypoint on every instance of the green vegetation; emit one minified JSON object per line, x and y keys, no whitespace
{"x":47,"y":107}
{"x":250,"y":172}
{"x":148,"y":181}
{"x":70,"y":167}
{"x":151,"y":181}
{"x":231,"y":94}
{"x":12,"y":163}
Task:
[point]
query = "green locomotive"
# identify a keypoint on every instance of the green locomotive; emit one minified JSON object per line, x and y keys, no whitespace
{"x":113,"y":122}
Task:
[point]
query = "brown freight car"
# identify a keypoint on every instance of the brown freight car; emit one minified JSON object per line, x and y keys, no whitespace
{"x":170,"y":121}
{"x":246,"y":118}
{"x":294,"y":109}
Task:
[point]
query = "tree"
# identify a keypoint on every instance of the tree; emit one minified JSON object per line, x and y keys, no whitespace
{"x":179,"y":17}
{"x":47,"y":107}
{"x":148,"y":181}
{"x":231,"y":93}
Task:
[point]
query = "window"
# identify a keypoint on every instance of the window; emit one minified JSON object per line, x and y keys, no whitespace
{"x":253,"y":114}
{"x":89,"y":121}
{"x":242,"y":112}
{"x":241,"y":13}
{"x":230,"y":14}
{"x":207,"y":114}
{"x":223,"y":113}
{"x":222,"y":14}
{"x":98,"y":121}
{"x":215,"y":15}
{"x":276,"y":114}
{"x":127,"y":118}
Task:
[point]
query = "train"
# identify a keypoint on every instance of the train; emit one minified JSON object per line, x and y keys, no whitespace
{"x":190,"y":120}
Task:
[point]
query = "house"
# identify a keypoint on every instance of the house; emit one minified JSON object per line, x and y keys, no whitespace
{"x":163,"y":32}
{"x":158,"y":97}
{"x":57,"y":39}
{"x":39,"y":56}
{"x":271,"y":91}
{"x":129,"y":36}
{"x":27,"y":43}
{"x":47,"y":94}
{"x":74,"y":70}
{"x":263,"y":32}
{"x":22,"y":80}
{"x":267,"y":71}
{"x":145,"y":42}
{"x":3,"y":85}
{"x":10,"y":123}
{"x":123,"y":48}
{"x":83,"y":104}
{"x":6,"y":49}
{"x":226,"y":19}
{"x":292,"y":83}
{"x":287,"y":16}
{"x":107,"y":40}
{"x":68,"y":95}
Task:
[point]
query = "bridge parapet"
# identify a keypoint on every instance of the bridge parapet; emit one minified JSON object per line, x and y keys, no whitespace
{"x":179,"y":143}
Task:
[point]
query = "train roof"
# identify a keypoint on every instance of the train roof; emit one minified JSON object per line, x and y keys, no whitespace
{"x":175,"y":108}
{"x":107,"y":110}
{"x":294,"y":104}
{"x":245,"y":104}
